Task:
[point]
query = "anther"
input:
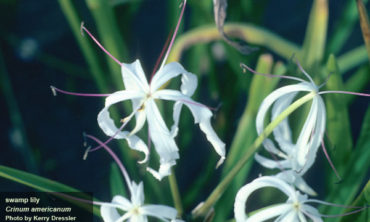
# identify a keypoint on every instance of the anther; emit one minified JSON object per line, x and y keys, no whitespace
{"x":53,"y":90}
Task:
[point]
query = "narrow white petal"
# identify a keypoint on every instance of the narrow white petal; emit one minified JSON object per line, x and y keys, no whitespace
{"x":301,"y":217}
{"x":272,"y":97}
{"x":317,"y":135}
{"x":176,"y":117}
{"x":265,"y":181}
{"x":122,"y":202}
{"x":269,"y":213}
{"x":290,"y":217}
{"x":162,"y":139}
{"x":109,"y":214}
{"x":306,"y":133}
{"x":137,"y":195}
{"x":134,"y":77}
{"x":171,"y":70}
{"x":201,"y":114}
{"x":291,"y":177}
{"x":140,"y":121}
{"x":272,"y":164}
{"x":105,"y":122}
{"x":282,"y":133}
{"x":163,"y":171}
{"x":159,"y":211}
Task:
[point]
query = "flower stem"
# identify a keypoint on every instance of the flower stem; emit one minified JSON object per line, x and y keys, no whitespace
{"x":175,"y":193}
{"x":219,"y":190}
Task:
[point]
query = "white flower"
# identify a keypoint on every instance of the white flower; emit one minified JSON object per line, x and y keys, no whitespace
{"x":295,"y":209}
{"x":297,"y":157}
{"x":143,"y":95}
{"x":135,"y":210}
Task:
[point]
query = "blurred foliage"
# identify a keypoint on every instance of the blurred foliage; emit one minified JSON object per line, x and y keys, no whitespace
{"x":323,"y":52}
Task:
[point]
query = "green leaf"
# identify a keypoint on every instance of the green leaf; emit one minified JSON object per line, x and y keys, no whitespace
{"x":355,"y":172}
{"x":314,"y":42}
{"x":338,"y":123}
{"x":343,"y":27}
{"x":117,"y":186}
{"x":45,"y":185}
{"x":362,"y":200}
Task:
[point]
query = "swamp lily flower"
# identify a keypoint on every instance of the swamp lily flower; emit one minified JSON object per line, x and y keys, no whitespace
{"x":295,"y":209}
{"x":142,"y":95}
{"x":134,"y":210}
{"x":297,"y":157}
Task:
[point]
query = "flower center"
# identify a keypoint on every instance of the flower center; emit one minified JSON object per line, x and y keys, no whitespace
{"x":135,"y":210}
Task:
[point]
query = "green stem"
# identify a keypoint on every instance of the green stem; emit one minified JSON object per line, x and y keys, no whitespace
{"x":175,"y":193}
{"x":249,"y":33}
{"x":219,"y":190}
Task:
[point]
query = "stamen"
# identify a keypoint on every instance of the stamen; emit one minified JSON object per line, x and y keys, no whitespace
{"x":115,"y":158}
{"x":124,"y":122}
{"x":345,"y":92}
{"x":304,"y":72}
{"x":86,"y":152}
{"x":326,"y":80}
{"x":244,"y":67}
{"x":55,"y":90}
{"x":345,"y":214}
{"x":329,"y":160}
{"x":329,"y":204}
{"x":160,"y":57}
{"x":108,"y":140}
{"x":100,"y":45}
{"x":174,"y":34}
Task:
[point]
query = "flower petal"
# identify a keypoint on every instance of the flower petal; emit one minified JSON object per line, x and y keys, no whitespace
{"x":105,"y":122}
{"x":291,"y":177}
{"x":265,"y":181}
{"x":171,"y":70}
{"x":201,"y":114}
{"x":108,"y":126}
{"x":163,"y":171}
{"x":159,"y":211}
{"x":272,"y":164}
{"x":272,"y":97}
{"x":137,"y":195}
{"x":163,"y":141}
{"x":108,"y":213}
{"x":268,"y":213}
{"x":122,"y":202}
{"x":134,"y":77}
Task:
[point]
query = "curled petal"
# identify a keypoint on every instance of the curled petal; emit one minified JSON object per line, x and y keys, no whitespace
{"x":266,"y":181}
{"x":163,"y":171}
{"x":270,"y":99}
{"x":172,"y":70}
{"x":163,"y":141}
{"x":134,"y":77}
{"x":108,"y":126}
{"x":201,"y":114}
